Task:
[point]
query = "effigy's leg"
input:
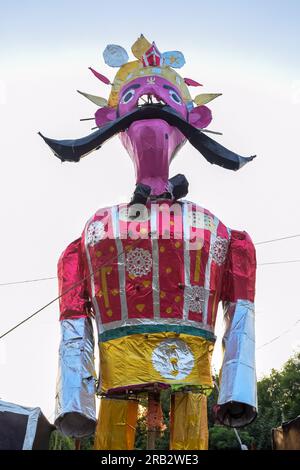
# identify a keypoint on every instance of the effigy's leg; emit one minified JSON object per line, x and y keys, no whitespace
{"x":188,"y":423}
{"x":116,"y":424}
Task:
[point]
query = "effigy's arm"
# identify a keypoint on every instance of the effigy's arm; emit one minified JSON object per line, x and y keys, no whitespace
{"x":75,"y":394}
{"x":237,"y":402}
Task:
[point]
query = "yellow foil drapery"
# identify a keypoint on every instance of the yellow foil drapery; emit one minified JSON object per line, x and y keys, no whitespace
{"x":155,"y":357}
{"x":189,"y":428}
{"x":116,"y":424}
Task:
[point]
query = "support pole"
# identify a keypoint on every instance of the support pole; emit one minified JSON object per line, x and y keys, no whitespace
{"x":154,"y":419}
{"x":77,"y":444}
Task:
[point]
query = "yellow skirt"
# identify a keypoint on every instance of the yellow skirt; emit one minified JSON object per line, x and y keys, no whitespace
{"x":166,"y":357}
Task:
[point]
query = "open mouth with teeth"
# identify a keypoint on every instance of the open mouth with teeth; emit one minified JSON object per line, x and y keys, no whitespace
{"x":146,"y":100}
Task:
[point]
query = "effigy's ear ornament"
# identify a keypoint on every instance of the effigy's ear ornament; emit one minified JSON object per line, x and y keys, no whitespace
{"x":115,"y":56}
{"x":174,"y":59}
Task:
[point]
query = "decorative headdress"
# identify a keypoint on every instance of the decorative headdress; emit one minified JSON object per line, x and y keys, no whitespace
{"x":150,"y":62}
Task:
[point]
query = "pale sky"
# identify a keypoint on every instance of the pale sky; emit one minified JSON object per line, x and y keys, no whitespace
{"x":246,"y":50}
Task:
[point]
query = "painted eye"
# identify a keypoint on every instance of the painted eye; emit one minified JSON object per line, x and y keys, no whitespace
{"x":128,"y":96}
{"x":175,"y":97}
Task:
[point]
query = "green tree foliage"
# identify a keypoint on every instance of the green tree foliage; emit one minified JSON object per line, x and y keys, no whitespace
{"x":60,"y":442}
{"x":290,"y":386}
{"x":221,"y":438}
{"x":278,"y":401}
{"x":269,"y":411}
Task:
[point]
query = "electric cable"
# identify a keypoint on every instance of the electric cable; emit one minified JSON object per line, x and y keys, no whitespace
{"x":88,"y":276}
{"x":259,"y":264}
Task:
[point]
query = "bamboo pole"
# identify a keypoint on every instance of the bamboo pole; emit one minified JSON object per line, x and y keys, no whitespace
{"x":77,"y":444}
{"x":153,"y":419}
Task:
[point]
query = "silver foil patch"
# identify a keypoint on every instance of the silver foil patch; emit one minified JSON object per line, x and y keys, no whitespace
{"x":75,"y":413}
{"x":173,"y":359}
{"x":238,"y":381}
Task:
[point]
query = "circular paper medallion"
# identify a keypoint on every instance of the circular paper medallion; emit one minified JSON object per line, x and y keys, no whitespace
{"x":173,"y":359}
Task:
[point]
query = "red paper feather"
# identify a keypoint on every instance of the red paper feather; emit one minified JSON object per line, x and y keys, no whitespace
{"x":191,"y":82}
{"x":100,"y":76}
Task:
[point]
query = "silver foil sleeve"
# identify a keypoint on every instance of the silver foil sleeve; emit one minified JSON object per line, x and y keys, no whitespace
{"x":237,"y":402}
{"x":75,"y":413}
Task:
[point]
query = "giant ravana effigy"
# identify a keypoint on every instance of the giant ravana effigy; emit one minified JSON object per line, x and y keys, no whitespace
{"x":152,"y":272}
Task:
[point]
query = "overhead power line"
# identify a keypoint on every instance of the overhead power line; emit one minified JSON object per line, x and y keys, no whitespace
{"x":116,"y":257}
{"x":277,"y":239}
{"x":279,"y":336}
{"x":280,"y":262}
{"x":27,"y":281}
{"x":38,"y":311}
{"x":88,"y":276}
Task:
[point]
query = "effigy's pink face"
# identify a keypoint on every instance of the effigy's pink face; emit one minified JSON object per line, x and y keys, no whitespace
{"x":157,"y":88}
{"x":152,"y":143}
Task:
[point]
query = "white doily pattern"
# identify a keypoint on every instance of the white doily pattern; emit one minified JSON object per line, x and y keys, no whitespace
{"x":139,"y":262}
{"x":219,"y":250}
{"x":95,"y":232}
{"x":196,"y":296}
{"x":198,"y":219}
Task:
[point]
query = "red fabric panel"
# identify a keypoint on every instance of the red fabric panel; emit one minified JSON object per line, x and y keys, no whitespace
{"x":138,"y":288}
{"x":71,"y":271}
{"x":240,"y":269}
{"x":171,"y":264}
{"x":104,"y":260}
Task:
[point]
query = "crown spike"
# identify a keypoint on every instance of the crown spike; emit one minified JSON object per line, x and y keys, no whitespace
{"x":140,"y":46}
{"x":205,"y":98}
{"x":101,"y":102}
{"x":152,"y":57}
